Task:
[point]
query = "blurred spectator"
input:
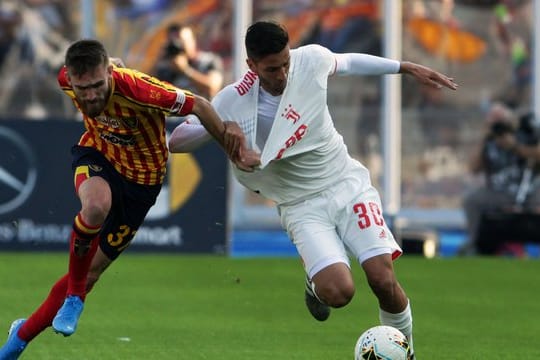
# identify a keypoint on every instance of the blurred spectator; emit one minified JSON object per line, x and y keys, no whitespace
{"x":340,"y":23}
{"x":508,"y":157}
{"x":34,"y":53}
{"x":10,"y":19}
{"x":184,"y":65}
{"x":126,"y":20}
{"x":515,"y":44}
{"x":219,"y":25}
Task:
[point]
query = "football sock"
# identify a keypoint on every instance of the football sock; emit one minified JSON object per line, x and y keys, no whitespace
{"x":401,"y":321}
{"x":79,"y":265}
{"x":44,"y":315}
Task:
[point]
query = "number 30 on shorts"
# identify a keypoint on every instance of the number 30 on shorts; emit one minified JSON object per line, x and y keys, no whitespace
{"x":367,"y":214}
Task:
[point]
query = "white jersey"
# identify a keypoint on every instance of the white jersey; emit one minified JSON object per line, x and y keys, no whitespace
{"x":304,"y":153}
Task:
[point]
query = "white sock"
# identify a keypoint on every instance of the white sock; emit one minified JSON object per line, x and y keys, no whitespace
{"x":401,"y":321}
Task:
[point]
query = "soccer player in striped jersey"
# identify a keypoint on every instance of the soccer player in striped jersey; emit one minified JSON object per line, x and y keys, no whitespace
{"x":118,"y":164}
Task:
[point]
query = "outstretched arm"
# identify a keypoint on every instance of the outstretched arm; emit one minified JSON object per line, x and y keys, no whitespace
{"x":427,"y":76}
{"x":365,"y":64}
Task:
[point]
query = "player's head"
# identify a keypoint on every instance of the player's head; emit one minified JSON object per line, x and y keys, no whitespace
{"x":267,"y":48}
{"x":89,"y":74}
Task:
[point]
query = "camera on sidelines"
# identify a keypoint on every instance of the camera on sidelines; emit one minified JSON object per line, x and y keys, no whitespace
{"x":500,"y":128}
{"x":175,"y":44}
{"x":526,"y":130}
{"x":173,"y":48}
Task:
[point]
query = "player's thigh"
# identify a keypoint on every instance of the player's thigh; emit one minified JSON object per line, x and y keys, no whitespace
{"x":126,"y":216}
{"x":363,"y":228}
{"x":314,"y":235}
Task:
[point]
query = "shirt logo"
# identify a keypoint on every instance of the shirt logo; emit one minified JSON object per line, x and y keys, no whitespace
{"x":118,"y":139}
{"x":108,"y":121}
{"x":95,"y":168}
{"x":131,"y":122}
{"x":291,"y":114}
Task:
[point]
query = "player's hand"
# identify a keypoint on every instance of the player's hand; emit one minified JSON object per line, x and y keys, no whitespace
{"x":248,"y":160}
{"x":427,"y":76}
{"x":234,"y":142}
{"x":233,"y":139}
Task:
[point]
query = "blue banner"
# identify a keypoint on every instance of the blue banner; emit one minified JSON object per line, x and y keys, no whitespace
{"x":38,"y":201}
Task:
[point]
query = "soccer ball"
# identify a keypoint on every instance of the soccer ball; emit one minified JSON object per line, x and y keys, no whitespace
{"x":382,"y":343}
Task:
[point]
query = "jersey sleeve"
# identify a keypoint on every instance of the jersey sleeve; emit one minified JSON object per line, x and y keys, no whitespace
{"x":148,"y":91}
{"x":322,"y":59}
{"x":64,"y":84}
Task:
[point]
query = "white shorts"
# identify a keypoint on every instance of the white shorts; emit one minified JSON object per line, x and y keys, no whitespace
{"x":339,"y":221}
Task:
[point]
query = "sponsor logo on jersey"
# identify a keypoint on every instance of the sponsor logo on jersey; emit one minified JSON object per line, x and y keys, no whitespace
{"x":296,"y":137}
{"x":95,"y":168}
{"x":130,"y":122}
{"x":117,"y":139}
{"x":108,"y":121}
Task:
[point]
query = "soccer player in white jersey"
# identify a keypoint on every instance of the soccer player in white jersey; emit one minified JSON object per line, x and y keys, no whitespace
{"x":324,"y":197}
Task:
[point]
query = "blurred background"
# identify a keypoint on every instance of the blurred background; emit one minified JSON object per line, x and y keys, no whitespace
{"x":486,"y":46}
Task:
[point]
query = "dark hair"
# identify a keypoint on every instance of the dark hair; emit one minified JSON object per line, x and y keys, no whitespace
{"x":85,"y":55}
{"x":265,"y":38}
{"x":174,"y":28}
{"x":500,"y":128}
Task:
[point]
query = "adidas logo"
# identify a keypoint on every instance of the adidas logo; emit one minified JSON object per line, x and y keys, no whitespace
{"x":382,"y":235}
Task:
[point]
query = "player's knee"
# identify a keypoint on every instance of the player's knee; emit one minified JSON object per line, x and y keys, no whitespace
{"x":337,"y":295}
{"x":96,"y":210}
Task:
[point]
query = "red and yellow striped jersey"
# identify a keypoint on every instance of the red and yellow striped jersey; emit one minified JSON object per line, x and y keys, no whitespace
{"x":130,"y":132}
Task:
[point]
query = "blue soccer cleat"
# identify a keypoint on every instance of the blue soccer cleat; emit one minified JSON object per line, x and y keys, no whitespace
{"x":65,"y":321}
{"x":14,"y":345}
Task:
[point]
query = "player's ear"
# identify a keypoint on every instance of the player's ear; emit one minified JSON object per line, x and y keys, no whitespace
{"x":251,"y":65}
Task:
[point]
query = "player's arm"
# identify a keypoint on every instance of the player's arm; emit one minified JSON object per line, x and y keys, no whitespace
{"x":427,"y":76}
{"x":188,"y":136}
{"x":231,"y":141}
{"x":228,"y":133}
{"x":365,"y":64}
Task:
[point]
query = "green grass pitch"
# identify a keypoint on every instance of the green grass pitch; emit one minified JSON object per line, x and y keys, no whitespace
{"x":206,"y":307}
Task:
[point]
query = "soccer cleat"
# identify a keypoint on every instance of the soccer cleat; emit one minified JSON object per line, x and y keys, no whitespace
{"x":14,"y":345}
{"x":65,"y":321}
{"x":316,"y":308}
